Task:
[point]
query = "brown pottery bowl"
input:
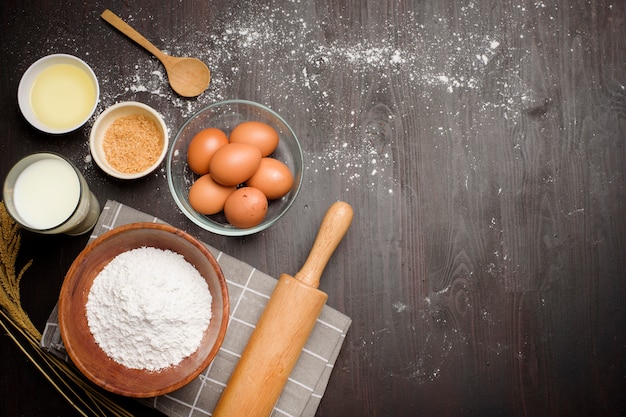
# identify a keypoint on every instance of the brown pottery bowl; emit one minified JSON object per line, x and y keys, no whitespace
{"x":81,"y":346}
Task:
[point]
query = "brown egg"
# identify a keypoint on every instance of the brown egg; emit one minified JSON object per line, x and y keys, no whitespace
{"x":234,"y":163}
{"x":258,"y":134}
{"x":246,"y":207}
{"x":207,"y":196}
{"x":272,"y":177}
{"x":202,"y":147}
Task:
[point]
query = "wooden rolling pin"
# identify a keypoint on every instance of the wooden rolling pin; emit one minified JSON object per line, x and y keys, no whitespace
{"x":284,"y":327}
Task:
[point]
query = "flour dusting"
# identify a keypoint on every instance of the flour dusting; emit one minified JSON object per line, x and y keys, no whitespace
{"x":418,"y":57}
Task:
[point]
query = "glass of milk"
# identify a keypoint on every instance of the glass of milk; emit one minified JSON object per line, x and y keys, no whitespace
{"x":45,"y":193}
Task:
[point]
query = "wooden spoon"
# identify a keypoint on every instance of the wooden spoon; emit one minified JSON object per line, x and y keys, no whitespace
{"x":189,"y":77}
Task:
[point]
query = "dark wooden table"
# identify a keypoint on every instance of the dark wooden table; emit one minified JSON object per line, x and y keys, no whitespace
{"x":480,"y":142}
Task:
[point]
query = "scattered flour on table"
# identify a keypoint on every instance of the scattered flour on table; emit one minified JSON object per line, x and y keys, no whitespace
{"x":416,"y":57}
{"x":148,"y":308}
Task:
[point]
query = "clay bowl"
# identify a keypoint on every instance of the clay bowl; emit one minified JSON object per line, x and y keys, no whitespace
{"x":87,"y":355}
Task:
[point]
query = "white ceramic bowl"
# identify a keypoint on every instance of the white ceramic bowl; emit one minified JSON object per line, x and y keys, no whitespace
{"x":106,"y":119}
{"x":64,"y":103}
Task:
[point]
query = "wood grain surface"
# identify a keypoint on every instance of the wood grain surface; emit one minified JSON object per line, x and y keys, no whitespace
{"x":480,"y":143}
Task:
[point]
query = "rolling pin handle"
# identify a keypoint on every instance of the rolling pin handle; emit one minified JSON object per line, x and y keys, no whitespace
{"x":334,"y":226}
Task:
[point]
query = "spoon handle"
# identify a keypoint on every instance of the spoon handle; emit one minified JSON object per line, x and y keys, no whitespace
{"x":123,"y":27}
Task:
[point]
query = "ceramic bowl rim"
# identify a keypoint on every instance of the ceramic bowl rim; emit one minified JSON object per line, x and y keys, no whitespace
{"x":25,"y":85}
{"x":102,"y":123}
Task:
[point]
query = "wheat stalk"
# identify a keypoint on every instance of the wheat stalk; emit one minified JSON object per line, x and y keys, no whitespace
{"x":10,"y":240}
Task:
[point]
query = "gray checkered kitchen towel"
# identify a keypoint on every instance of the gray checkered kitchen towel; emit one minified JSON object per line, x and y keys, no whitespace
{"x":249,"y":291}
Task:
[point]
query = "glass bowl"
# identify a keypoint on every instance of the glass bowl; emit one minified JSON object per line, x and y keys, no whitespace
{"x":226,"y":115}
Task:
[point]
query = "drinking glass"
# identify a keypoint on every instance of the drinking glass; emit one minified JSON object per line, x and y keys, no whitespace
{"x":45,"y":193}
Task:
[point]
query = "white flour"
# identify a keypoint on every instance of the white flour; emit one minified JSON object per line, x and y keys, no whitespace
{"x":148,"y":308}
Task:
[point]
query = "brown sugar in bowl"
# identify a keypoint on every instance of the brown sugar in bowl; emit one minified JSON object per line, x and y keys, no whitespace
{"x":129,"y":140}
{"x":81,"y":346}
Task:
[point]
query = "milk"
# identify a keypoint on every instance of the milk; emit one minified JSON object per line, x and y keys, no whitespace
{"x":46,"y":193}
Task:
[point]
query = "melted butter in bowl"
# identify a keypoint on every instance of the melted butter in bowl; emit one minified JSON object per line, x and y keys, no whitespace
{"x":58,"y":93}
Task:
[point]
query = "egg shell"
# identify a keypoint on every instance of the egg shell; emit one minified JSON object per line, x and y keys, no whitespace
{"x":256,"y":133}
{"x":202,"y":148}
{"x":207,"y":196}
{"x":273,"y":177}
{"x":234,"y":163}
{"x":246,"y":207}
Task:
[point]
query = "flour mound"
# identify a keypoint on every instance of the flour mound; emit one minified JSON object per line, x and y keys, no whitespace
{"x":149,"y":308}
